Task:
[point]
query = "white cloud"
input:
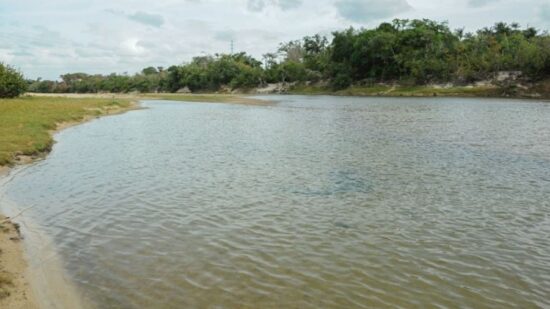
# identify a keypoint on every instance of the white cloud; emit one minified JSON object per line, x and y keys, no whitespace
{"x":132,"y":47}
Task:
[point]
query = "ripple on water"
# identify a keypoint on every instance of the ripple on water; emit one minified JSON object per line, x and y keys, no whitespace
{"x":314,"y":202}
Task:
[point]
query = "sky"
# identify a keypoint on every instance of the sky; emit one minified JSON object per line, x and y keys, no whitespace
{"x":49,"y":38}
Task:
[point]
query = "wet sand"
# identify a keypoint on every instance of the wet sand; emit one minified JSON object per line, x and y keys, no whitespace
{"x":15,"y":290}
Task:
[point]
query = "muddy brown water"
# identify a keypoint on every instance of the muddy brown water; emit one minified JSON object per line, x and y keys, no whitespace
{"x":313,"y":202}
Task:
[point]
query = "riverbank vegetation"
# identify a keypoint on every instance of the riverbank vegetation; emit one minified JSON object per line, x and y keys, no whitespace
{"x":400,"y":91}
{"x":26,"y":123}
{"x":413,"y":54}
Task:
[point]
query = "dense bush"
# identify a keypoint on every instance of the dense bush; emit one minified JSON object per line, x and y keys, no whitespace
{"x":12,"y":83}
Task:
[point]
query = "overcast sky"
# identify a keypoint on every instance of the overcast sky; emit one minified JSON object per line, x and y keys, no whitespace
{"x":49,"y":38}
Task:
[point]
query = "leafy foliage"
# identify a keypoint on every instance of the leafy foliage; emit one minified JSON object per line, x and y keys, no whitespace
{"x":12,"y":83}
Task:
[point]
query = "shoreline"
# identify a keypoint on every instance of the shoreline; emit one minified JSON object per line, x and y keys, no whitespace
{"x":20,"y":286}
{"x":24,"y":287}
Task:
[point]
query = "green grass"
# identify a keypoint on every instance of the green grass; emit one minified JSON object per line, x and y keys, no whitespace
{"x":26,"y":123}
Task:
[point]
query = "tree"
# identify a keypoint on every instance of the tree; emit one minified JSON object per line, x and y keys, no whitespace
{"x":292,"y":51}
{"x":248,"y":77}
{"x":316,"y":52}
{"x":12,"y":83}
{"x":150,"y":71}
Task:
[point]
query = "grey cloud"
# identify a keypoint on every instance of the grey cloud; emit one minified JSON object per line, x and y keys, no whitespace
{"x":368,"y":10}
{"x":154,"y":20}
{"x":114,"y":12}
{"x":260,"y":5}
{"x":43,"y":37}
{"x":289,"y":4}
{"x":256,"y":5}
{"x":480,"y":3}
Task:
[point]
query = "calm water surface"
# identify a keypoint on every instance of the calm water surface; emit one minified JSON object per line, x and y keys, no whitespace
{"x":314,"y":202}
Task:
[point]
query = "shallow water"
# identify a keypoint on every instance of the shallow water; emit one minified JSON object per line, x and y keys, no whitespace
{"x":314,"y":202}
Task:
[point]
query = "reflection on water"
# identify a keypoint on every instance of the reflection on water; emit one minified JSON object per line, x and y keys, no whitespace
{"x":312,"y":202}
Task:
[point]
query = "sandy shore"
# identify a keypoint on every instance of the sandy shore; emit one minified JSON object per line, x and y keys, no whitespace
{"x":21,"y":286}
{"x":15,"y":290}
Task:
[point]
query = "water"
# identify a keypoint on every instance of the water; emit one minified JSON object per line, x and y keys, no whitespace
{"x":313,"y":202}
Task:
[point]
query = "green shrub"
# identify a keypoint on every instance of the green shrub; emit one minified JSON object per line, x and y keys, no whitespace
{"x":341,"y":81}
{"x":12,"y":83}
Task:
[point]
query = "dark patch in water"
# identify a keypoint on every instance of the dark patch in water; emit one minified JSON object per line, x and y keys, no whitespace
{"x":342,"y":225}
{"x":339,"y":182}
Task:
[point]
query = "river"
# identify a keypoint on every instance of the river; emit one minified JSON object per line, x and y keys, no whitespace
{"x":310,"y":202}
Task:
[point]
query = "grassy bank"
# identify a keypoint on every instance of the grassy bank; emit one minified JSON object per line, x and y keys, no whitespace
{"x":538,"y":91}
{"x":26,"y":123}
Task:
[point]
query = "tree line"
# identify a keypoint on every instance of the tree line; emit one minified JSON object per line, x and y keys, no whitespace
{"x":405,"y":52}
